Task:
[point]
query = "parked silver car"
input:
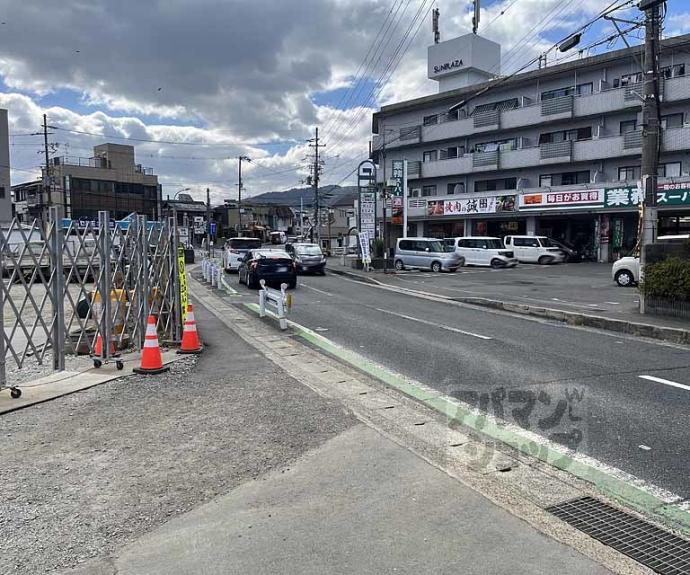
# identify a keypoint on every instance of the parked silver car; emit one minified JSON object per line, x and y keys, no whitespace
{"x":425,"y":253}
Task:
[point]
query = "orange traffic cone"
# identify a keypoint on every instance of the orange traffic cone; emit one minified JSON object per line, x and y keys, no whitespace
{"x":190,"y":337}
{"x":151,"y":360}
{"x":98,"y":351}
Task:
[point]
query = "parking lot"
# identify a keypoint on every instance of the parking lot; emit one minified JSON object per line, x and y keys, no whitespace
{"x":579,"y":287}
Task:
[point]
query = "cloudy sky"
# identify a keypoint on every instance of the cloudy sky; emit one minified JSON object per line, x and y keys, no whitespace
{"x":192,"y":84}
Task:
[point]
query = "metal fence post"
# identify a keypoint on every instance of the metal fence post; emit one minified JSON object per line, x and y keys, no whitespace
{"x":3,"y":373}
{"x":143,"y":279}
{"x":105,"y":287}
{"x":175,"y":267}
{"x":57,"y":290}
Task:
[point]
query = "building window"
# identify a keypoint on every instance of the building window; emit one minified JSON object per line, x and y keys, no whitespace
{"x":458,"y":188}
{"x":580,"y":90}
{"x":669,"y":170}
{"x":450,"y":153}
{"x":430,"y":120}
{"x":628,"y":126}
{"x":430,"y":156}
{"x":571,"y":178}
{"x":562,"y":136}
{"x":2,"y":192}
{"x":627,"y":80}
{"x":629,"y":173}
{"x":503,"y":145}
{"x":672,"y":121}
{"x":673,"y":71}
{"x":564,"y":179}
{"x":510,"y":104}
{"x":495,"y":185}
{"x":428,"y":191}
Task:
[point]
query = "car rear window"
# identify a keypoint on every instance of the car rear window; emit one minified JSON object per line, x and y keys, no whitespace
{"x":244,"y":243}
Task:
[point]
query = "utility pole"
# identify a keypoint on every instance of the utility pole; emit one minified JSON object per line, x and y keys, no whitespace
{"x":315,"y":184}
{"x":47,"y":184}
{"x":208,"y":221}
{"x":651,"y":133}
{"x":240,"y":159}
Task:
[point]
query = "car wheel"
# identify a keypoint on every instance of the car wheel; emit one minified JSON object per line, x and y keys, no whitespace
{"x":399,"y":265}
{"x":624,"y":278}
{"x":496,"y":264}
{"x":545,"y":260}
{"x":251,"y":282}
{"x":292,"y":284}
{"x":436,"y":267}
{"x":239,"y":278}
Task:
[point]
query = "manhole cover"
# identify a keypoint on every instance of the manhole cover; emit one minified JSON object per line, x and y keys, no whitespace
{"x":659,"y":550}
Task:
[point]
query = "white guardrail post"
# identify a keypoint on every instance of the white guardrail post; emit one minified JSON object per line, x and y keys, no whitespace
{"x":277,"y":298}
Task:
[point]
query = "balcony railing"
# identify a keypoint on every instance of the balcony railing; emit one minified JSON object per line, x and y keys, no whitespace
{"x":556,"y":150}
{"x":414,"y":169}
{"x":632,"y":139}
{"x":562,"y":105}
{"x":484,"y":119}
{"x":485,"y":159}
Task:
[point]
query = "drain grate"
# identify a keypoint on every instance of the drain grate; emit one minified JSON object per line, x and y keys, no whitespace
{"x":660,"y":550}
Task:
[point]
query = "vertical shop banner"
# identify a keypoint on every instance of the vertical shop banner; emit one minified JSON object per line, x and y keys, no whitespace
{"x":366,"y":183}
{"x":182,"y":282}
{"x":398,"y":184}
{"x":364,"y":247}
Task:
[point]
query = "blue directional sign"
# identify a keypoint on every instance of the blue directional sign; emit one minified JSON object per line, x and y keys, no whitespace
{"x":212,"y":228}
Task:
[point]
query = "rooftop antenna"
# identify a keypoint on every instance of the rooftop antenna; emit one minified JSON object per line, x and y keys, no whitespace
{"x":435,"y":16}
{"x":475,"y":18}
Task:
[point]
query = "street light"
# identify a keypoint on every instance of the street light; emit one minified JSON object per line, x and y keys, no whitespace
{"x":240,"y":159}
{"x":180,"y":191}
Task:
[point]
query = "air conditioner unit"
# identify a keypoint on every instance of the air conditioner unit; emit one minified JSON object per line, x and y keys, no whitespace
{"x":415,"y":193}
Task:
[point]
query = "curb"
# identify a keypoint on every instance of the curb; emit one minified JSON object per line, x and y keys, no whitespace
{"x":670,"y":334}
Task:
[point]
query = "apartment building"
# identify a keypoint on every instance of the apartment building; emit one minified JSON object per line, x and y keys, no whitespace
{"x":109,"y":180}
{"x":552,"y":151}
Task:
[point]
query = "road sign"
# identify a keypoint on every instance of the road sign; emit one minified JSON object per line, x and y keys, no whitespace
{"x":212,"y":228}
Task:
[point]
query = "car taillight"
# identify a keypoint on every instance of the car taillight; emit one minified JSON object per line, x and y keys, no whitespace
{"x":253,"y":265}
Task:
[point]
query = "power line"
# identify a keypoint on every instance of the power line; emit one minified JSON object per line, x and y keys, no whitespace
{"x":173,"y":143}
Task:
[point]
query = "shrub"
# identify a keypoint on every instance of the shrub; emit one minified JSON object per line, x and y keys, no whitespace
{"x":668,"y":279}
{"x":378,"y":248}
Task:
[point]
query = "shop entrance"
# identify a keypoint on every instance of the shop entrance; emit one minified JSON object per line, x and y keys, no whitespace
{"x":577,"y":232}
{"x":500,"y":228}
{"x":454,"y":229}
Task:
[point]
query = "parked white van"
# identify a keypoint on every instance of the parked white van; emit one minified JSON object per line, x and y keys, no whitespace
{"x":482,"y":251}
{"x":534,"y":249}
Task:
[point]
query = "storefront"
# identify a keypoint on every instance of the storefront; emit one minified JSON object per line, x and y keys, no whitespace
{"x":451,"y":217}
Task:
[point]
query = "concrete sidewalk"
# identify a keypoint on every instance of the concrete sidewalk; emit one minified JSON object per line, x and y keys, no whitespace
{"x":359,"y":504}
{"x":624,"y":319}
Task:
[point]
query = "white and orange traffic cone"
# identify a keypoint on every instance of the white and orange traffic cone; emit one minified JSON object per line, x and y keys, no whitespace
{"x":190,"y":337}
{"x":151,"y":359}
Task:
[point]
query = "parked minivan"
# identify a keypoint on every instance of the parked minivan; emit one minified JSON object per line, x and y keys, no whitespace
{"x":482,"y":251}
{"x":425,"y":253}
{"x":534,"y":249}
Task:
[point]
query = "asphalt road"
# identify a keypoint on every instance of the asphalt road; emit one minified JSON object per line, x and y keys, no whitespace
{"x":635,"y":394}
{"x":583,"y":287}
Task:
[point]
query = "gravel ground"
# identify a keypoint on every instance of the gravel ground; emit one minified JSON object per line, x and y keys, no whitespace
{"x":88,"y":472}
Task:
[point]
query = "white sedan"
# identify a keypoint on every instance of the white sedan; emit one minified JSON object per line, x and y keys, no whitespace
{"x":626,"y":271}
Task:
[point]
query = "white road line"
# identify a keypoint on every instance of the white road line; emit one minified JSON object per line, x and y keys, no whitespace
{"x":431,"y":323}
{"x":665,"y":382}
{"x":316,"y":290}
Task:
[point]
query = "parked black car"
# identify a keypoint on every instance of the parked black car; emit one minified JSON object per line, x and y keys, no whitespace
{"x":274,"y":266}
{"x":308,"y":257}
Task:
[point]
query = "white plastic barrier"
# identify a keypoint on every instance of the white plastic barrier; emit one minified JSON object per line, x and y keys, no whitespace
{"x":278,"y":299}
